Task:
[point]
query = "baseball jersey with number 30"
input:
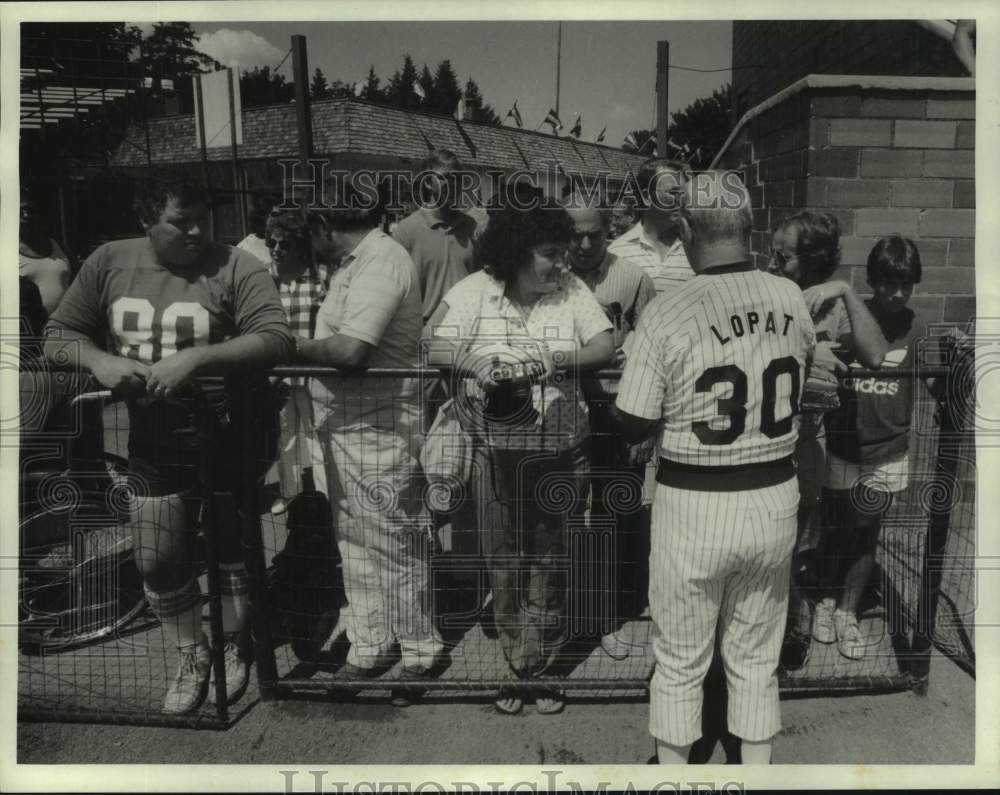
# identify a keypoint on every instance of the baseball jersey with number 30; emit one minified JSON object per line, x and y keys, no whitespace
{"x":721,"y":359}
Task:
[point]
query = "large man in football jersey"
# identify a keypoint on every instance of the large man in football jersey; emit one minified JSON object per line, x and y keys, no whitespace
{"x":716,"y":369}
{"x":146,"y":316}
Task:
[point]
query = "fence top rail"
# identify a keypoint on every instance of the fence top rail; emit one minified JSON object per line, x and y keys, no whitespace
{"x":291,"y":371}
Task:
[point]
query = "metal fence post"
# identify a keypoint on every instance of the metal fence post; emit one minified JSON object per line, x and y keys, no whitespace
{"x":210,"y":526}
{"x":245,"y":408}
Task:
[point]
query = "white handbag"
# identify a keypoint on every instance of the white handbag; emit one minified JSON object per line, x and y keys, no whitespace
{"x":446,"y":455}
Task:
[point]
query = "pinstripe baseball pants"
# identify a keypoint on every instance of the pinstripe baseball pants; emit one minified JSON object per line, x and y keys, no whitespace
{"x":719,"y":560}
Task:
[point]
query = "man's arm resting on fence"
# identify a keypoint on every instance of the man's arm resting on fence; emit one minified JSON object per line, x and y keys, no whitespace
{"x":339,"y":350}
{"x":79,"y":352}
{"x":245,"y":353}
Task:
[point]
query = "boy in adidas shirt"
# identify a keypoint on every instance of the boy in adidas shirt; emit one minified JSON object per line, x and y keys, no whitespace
{"x":867,"y":446}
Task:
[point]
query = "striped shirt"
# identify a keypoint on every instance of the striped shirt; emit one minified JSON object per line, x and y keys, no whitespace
{"x":667,"y":270}
{"x":721,"y":360}
{"x":623,"y":289}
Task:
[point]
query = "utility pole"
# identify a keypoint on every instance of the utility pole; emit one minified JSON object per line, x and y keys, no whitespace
{"x":662,"y":92}
{"x":558,"y":65}
{"x":303,"y":113}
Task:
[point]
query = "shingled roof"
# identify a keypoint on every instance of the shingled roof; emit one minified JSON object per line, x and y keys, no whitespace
{"x":353,"y":126}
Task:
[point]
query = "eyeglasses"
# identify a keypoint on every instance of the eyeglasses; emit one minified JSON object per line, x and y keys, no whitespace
{"x":780,"y":258}
{"x":280,"y":245}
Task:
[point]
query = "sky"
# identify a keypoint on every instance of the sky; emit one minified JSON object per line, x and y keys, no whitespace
{"x":608,"y":68}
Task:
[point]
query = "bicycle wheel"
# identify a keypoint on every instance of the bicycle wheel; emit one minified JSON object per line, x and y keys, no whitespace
{"x":78,"y":580}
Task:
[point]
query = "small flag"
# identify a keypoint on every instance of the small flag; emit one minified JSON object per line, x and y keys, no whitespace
{"x":419,"y":91}
{"x":650,"y":140}
{"x":630,"y":141}
{"x":600,"y":136}
{"x":460,"y":110}
{"x":516,"y":115}
{"x":358,"y":89}
{"x":553,"y":120}
{"x":577,"y":127}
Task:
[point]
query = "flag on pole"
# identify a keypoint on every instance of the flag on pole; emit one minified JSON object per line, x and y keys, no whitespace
{"x":577,"y":127}
{"x":516,"y":114}
{"x":650,"y":140}
{"x":600,"y":136}
{"x":460,"y":110}
{"x":553,"y":120}
{"x":419,"y":91}
{"x":630,"y":141}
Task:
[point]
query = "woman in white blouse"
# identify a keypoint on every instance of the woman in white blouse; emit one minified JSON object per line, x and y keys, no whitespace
{"x":514,"y":337}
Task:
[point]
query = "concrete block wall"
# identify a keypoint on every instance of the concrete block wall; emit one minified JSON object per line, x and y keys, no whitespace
{"x":881,"y":161}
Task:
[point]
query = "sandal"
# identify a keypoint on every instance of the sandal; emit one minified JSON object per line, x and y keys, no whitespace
{"x":550,"y":702}
{"x":509,"y":701}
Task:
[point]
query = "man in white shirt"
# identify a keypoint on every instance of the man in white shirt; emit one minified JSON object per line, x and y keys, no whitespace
{"x":654,"y":243}
{"x":370,"y":431}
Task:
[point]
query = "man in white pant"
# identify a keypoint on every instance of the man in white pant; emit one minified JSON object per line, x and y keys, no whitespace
{"x":716,"y":370}
{"x":370,"y":431}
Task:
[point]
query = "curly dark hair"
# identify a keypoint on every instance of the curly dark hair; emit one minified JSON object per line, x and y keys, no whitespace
{"x":818,"y":245}
{"x":511,"y":235}
{"x":292,"y":222}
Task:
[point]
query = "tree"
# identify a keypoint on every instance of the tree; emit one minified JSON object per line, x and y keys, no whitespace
{"x":371,"y":90}
{"x":446,"y":90}
{"x":261,"y":86}
{"x":340,"y":89}
{"x":702,"y":127}
{"x":399,"y":92}
{"x":699,"y":131}
{"x":84,"y":51}
{"x":169,"y":53}
{"x":475,"y":108}
{"x":319,"y":88}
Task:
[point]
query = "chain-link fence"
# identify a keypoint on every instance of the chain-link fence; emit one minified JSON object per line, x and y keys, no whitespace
{"x":431,"y":576}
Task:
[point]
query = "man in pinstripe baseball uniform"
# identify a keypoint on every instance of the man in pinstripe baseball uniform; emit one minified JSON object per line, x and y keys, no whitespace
{"x":716,"y":370}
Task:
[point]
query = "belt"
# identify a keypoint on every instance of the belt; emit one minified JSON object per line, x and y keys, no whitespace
{"x":725,"y":478}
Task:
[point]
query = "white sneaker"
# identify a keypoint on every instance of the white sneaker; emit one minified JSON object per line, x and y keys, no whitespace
{"x":237,"y":670}
{"x":189,"y":688}
{"x":823,"y":628}
{"x":849,"y":641}
{"x":615,"y":646}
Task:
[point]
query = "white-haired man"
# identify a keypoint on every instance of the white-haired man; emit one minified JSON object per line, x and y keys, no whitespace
{"x":717,"y":370}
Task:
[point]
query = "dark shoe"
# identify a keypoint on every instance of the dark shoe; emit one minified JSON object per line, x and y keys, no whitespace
{"x":408,"y":694}
{"x":794,"y":651}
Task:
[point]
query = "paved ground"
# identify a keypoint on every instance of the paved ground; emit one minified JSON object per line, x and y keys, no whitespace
{"x":895,"y":728}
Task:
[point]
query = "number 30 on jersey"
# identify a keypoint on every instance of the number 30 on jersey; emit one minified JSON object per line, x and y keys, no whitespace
{"x":182,"y":324}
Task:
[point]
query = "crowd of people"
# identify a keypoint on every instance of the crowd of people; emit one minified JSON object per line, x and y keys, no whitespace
{"x":518,"y":311}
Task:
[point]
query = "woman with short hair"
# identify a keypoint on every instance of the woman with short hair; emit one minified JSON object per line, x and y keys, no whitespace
{"x":519,"y":332}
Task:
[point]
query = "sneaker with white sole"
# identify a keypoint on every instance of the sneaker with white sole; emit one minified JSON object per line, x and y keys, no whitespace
{"x":849,"y":641}
{"x":823,"y":629}
{"x":614,"y":646}
{"x":189,"y":688}
{"x":237,"y":669}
